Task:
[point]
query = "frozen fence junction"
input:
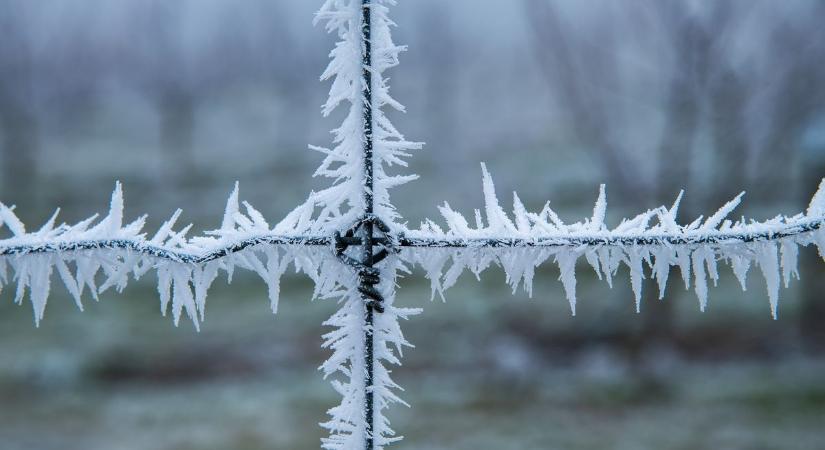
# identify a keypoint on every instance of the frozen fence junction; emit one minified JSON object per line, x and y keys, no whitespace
{"x":353,"y":244}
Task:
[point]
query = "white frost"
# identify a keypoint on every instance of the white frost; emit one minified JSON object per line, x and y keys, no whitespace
{"x":653,"y":238}
{"x":115,"y":252}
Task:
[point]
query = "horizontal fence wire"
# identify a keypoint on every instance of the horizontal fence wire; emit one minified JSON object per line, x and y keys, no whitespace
{"x":175,"y":255}
{"x":611,"y":239}
{"x":402,"y":241}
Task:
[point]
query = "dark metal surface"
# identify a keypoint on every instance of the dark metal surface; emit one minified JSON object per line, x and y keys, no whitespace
{"x":405,"y":242}
{"x":368,"y":283}
{"x":161,"y":252}
{"x":711,"y":237}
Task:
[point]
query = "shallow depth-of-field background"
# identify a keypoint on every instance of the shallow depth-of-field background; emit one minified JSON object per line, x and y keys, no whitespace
{"x":180,"y":99}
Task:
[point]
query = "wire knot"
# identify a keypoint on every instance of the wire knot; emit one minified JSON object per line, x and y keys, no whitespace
{"x":361,"y":235}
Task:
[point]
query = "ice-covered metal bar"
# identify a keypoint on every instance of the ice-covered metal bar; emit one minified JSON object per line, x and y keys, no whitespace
{"x":619,"y":239}
{"x":156,"y":251}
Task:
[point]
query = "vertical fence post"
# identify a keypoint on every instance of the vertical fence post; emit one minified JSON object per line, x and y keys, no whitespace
{"x":369,"y":200}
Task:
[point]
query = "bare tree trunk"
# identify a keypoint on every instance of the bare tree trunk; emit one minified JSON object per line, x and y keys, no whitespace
{"x":587,"y":115}
{"x":442,"y":84}
{"x":691,"y":43}
{"x":798,"y":99}
{"x":18,"y":123}
{"x":19,"y":149}
{"x":176,"y":109}
{"x":728,"y":97}
{"x":812,"y":310}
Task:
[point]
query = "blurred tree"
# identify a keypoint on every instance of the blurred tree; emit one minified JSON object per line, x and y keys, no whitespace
{"x":187,"y":54}
{"x":167,"y":73}
{"x":813,"y":285}
{"x":796,"y":83}
{"x":592,"y":62}
{"x":585,"y":71}
{"x":18,"y":121}
{"x":442,"y":83}
{"x":583,"y":76}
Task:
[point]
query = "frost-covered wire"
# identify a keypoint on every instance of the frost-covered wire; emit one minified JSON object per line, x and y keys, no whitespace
{"x":173,"y":255}
{"x":185,"y":266}
{"x":347,"y":366}
{"x":521,"y":242}
{"x":342,"y":203}
{"x":357,"y":74}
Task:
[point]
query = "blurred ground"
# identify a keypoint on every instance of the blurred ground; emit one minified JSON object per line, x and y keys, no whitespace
{"x":488,"y":372}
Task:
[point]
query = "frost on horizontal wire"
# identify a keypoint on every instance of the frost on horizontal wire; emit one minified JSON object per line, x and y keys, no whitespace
{"x":97,"y":255}
{"x":649,"y":244}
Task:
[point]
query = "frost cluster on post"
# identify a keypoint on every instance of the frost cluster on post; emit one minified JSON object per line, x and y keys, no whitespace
{"x":96,"y":255}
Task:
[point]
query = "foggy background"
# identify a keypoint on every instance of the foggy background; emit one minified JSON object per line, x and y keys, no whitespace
{"x":179,"y":99}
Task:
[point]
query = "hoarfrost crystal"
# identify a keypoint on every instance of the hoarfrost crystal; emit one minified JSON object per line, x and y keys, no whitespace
{"x":653,"y":238}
